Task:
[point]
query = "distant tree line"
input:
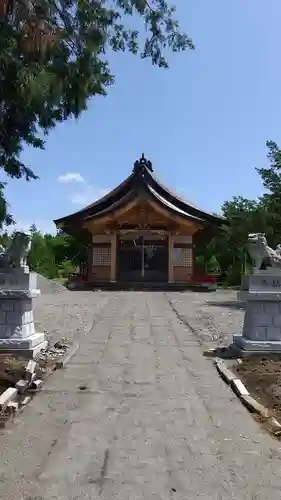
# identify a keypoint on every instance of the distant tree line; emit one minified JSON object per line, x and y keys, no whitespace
{"x":227,"y":252}
{"x":58,"y":256}
{"x":53,"y":256}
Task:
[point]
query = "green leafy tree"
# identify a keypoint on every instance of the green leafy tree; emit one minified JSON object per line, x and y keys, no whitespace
{"x":5,"y":217}
{"x":228,"y":249}
{"x":65,"y":269}
{"x":55,"y":256}
{"x":271,"y":200}
{"x":41,"y":258}
{"x":271,"y":176}
{"x":5,"y":239}
{"x":53,"y":59}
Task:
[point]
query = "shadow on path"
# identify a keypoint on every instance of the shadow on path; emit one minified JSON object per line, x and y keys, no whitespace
{"x":229,"y":304}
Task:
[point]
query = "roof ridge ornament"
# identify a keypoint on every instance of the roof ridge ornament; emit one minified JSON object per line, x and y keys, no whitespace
{"x":142,"y":163}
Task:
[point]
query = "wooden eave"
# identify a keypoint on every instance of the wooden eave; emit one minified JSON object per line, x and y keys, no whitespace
{"x":139,"y":182}
{"x":135,"y":197}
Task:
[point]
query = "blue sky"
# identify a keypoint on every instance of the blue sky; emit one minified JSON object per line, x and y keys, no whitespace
{"x":203,"y":123}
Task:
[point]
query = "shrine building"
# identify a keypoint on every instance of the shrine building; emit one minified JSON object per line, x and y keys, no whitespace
{"x":141,"y":232}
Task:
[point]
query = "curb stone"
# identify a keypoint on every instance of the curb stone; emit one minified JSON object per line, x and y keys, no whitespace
{"x":30,"y":370}
{"x":254,"y":406}
{"x":63,"y":362}
{"x":8,"y":396}
{"x":225,"y":373}
{"x":35,"y":385}
{"x":13,"y":406}
{"x":240,"y":390}
{"x":22,"y":386}
{"x":11,"y":399}
{"x":276,"y":426}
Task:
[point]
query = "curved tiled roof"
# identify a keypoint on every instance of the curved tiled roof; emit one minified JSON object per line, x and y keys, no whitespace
{"x":142,"y":178}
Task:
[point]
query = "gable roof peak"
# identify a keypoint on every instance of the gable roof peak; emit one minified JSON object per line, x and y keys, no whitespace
{"x":142,"y":164}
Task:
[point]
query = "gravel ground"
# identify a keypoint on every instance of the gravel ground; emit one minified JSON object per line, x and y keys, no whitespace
{"x":214,"y":317}
{"x":68,"y":314}
{"x":139,"y":412}
{"x":49,"y":286}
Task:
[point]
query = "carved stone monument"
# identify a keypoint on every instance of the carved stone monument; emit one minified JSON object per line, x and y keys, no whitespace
{"x":18,"y":286}
{"x":261,"y":291}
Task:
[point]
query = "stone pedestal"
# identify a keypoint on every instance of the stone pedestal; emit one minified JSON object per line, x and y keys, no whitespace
{"x":17,"y":332}
{"x":262,"y":322}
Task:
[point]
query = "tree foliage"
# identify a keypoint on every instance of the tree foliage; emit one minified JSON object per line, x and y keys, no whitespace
{"x":59,"y":255}
{"x":52,"y":256}
{"x":54,"y":57}
{"x":245,"y":216}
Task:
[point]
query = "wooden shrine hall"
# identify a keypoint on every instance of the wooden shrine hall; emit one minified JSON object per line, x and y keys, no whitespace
{"x":141,"y":232}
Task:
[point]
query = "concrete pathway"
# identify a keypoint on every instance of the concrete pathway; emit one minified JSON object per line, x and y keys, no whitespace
{"x":139,"y":413}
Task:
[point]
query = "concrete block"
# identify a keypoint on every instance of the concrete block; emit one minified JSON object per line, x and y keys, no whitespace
{"x":245,"y":347}
{"x":274,"y":334}
{"x":254,"y":406}
{"x":26,"y":400}
{"x":28,"y":353}
{"x":15,"y":294}
{"x":22,"y":386}
{"x":30,"y":370}
{"x":225,"y":373}
{"x":2,"y":317}
{"x":36,"y":384}
{"x":267,"y":281}
{"x":6,"y":397}
{"x":17,"y":278}
{"x":22,"y":331}
{"x":5,"y":332}
{"x":69,"y":355}
{"x":260,"y":319}
{"x":22,"y":343}
{"x":13,"y":406}
{"x":238,"y":387}
{"x":277,"y":320}
{"x":17,"y":330}
{"x":7,"y":305}
{"x":276,"y":426}
{"x":23,"y":305}
{"x":255,"y":333}
{"x":19,"y":318}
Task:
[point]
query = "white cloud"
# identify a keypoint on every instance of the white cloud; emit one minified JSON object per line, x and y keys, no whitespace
{"x":70,"y":177}
{"x":88,"y":195}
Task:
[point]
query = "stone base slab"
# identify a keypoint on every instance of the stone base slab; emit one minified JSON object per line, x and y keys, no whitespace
{"x":247,"y":347}
{"x":246,"y":296}
{"x":25,"y":353}
{"x":19,"y":294}
{"x":18,"y":278}
{"x":22,"y":343}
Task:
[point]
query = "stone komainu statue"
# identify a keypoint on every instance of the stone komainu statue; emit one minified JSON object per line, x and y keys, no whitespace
{"x":16,"y":253}
{"x":261,"y":253}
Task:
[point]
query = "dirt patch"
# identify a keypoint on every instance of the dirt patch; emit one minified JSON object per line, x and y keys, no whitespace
{"x":262,"y":377}
{"x":11,"y":370}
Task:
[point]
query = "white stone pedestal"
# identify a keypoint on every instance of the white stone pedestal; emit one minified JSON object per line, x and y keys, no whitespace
{"x":262,"y":321}
{"x":17,"y":331}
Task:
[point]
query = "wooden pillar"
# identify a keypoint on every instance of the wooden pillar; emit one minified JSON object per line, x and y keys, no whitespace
{"x":113,"y":257}
{"x":193,"y":276}
{"x":171,"y":258}
{"x":90,"y":262}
